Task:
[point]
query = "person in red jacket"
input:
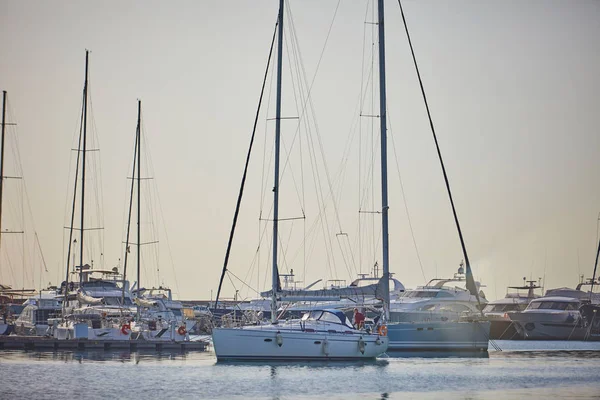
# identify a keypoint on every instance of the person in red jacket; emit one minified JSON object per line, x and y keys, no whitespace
{"x":359,"y":319}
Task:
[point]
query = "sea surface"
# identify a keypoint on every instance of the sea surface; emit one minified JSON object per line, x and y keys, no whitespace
{"x":523,"y":369}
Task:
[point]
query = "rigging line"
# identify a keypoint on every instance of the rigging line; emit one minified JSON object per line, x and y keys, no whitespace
{"x":263,"y":179}
{"x":325,"y":225}
{"x":297,"y":54}
{"x":309,"y":87}
{"x":241,"y":192}
{"x":241,"y":281}
{"x":96,"y":167}
{"x":125,"y":258}
{"x":74,"y":196}
{"x":41,"y":253}
{"x":412,"y":232}
{"x":293,"y":46}
{"x":594,"y":275}
{"x":66,"y":206}
{"x":469,"y":275}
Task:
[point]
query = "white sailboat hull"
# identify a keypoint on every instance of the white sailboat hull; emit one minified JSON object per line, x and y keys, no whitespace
{"x":438,"y":335}
{"x":259,"y":343}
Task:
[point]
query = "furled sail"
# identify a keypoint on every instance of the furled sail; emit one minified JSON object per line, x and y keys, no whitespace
{"x":352,"y":291}
{"x":145,"y":303}
{"x":85,"y":299}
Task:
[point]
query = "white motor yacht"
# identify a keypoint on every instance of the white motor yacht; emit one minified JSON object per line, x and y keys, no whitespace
{"x":556,"y":316}
{"x":33,"y":320}
{"x":442,"y":315}
{"x":439,"y":300}
{"x":497,"y":311}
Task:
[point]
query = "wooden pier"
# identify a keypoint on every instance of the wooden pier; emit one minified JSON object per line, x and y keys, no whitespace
{"x":48,"y":343}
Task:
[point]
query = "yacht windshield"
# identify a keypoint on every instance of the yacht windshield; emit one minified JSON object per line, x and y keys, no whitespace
{"x":422,"y":294}
{"x":552,"y":305}
{"x":502,"y":307}
{"x":116,"y":301}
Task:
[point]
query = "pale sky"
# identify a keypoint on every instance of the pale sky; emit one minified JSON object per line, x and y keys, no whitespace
{"x":513,"y":88}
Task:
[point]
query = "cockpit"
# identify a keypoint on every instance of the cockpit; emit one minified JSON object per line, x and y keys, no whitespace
{"x":329,"y":316}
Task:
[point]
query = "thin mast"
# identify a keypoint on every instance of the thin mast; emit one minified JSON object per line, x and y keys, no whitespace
{"x":74,"y":200}
{"x":139,"y":158}
{"x":137,"y":130}
{"x":2,"y":158}
{"x":85,"y":96}
{"x":275,"y":276}
{"x":384,"y":188}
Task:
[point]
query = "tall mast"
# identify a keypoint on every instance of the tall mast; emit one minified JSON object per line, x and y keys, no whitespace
{"x":139,"y":158}
{"x":2,"y":158}
{"x":85,"y":98}
{"x":275,"y":277}
{"x":384,"y":189}
{"x":135,"y":155}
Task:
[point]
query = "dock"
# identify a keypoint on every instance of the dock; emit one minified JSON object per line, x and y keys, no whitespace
{"x":49,"y":343}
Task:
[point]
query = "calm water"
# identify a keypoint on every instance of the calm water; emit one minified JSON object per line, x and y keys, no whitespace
{"x":532,"y":369}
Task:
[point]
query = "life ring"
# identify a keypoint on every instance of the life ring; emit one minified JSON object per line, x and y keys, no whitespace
{"x":382,"y":330}
{"x":181,"y":330}
{"x":126,"y":329}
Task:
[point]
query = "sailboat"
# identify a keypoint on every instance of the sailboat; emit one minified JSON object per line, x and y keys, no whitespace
{"x":158,"y":316}
{"x":94,"y":308}
{"x":23,"y":311}
{"x":320,"y":334}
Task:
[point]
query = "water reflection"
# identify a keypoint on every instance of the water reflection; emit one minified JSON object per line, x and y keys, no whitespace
{"x":437,"y":354}
{"x":380,"y":362}
{"x":80,"y":356}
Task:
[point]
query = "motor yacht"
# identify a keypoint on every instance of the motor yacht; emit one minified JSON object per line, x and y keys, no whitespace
{"x":33,"y":320}
{"x":502,"y":327}
{"x":442,"y":315}
{"x":556,"y":316}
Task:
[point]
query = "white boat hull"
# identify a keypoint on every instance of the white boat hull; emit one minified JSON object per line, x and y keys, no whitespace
{"x":254,"y":343}
{"x":437,"y":335}
{"x":79,"y":331}
{"x":562,"y":325}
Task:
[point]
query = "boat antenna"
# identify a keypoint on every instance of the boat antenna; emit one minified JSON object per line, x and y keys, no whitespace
{"x":384,"y":188}
{"x":130,"y":207}
{"x":242,"y":185}
{"x":469,"y":273}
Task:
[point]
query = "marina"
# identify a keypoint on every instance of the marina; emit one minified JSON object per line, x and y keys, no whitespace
{"x":377,"y":200}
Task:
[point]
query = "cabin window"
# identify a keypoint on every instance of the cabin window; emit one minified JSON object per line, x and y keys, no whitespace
{"x":553,"y":305}
{"x":314,"y":315}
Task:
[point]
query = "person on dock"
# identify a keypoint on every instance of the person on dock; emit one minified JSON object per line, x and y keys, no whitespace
{"x":359,"y":319}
